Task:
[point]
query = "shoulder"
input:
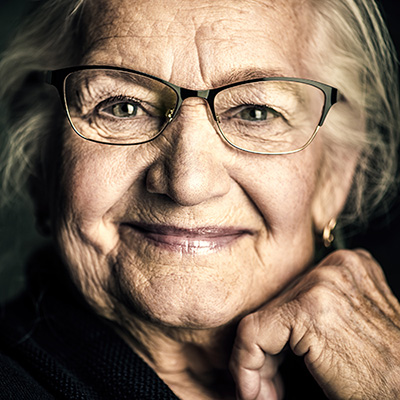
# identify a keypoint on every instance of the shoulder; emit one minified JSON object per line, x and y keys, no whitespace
{"x":16,"y":378}
{"x":53,"y":344}
{"x":17,"y":383}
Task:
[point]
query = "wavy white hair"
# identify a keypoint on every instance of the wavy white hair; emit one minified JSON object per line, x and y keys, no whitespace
{"x":350,"y":49}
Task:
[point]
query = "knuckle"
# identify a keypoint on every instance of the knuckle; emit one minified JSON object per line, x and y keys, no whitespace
{"x":247,"y":329}
{"x":343,"y":256}
{"x":359,"y":268}
{"x":325,"y":276}
{"x":364,"y":253}
{"x":353,"y":262}
{"x":246,"y":354}
{"x":320,"y":295}
{"x":348,"y":266}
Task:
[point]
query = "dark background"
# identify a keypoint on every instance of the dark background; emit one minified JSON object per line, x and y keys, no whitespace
{"x":18,"y":236}
{"x":382,"y":238}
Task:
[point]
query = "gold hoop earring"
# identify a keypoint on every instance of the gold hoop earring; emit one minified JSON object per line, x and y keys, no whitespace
{"x":327,"y":234}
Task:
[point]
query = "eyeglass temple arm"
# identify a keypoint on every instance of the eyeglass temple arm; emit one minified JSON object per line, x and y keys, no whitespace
{"x":332,"y":96}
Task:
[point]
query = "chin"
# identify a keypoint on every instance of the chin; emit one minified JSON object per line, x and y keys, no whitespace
{"x":200,"y":306}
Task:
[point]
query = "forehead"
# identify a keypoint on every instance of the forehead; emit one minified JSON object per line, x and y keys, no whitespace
{"x":199,"y":44}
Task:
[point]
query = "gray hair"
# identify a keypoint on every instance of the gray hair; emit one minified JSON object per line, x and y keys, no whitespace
{"x":351,"y":49}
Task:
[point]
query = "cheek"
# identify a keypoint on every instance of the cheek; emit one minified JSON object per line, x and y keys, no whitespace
{"x":274,"y":192}
{"x":94,"y":180}
{"x":283,"y":187}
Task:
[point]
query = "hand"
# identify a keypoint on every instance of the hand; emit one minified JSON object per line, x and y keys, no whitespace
{"x":342,"y":317}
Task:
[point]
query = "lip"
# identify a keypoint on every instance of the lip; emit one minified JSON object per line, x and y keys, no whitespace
{"x":189,"y":240}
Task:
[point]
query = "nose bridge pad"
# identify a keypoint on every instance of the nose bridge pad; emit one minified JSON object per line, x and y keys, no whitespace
{"x":210,"y":116}
{"x":204,"y":94}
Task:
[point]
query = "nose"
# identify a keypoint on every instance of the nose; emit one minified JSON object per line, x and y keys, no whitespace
{"x":190,"y":167}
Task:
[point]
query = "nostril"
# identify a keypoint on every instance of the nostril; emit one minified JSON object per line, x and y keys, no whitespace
{"x":189,"y":165}
{"x":155,"y":179}
{"x":188,"y":177}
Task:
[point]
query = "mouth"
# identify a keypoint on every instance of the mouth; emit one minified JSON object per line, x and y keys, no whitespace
{"x":188,"y":240}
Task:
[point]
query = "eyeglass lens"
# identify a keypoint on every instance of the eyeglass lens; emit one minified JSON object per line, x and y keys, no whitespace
{"x":121,"y":107}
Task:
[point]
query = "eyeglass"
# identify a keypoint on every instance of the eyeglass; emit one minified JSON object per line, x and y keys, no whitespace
{"x":117,"y":106}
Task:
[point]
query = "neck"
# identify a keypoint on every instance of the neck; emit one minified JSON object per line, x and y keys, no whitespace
{"x":193,"y":362}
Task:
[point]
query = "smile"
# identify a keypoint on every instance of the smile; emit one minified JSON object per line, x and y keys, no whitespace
{"x":193,"y":240}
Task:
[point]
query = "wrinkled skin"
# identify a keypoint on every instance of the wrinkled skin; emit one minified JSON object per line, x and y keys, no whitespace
{"x":342,"y":317}
{"x":179,"y":308}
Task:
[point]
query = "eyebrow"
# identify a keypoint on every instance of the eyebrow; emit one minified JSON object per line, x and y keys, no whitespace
{"x":229,"y":77}
{"x":247,"y":74}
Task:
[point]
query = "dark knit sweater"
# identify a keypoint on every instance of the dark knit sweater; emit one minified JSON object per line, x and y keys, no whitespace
{"x":53,"y":346}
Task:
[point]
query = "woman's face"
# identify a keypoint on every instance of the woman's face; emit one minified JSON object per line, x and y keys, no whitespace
{"x":187,"y":230}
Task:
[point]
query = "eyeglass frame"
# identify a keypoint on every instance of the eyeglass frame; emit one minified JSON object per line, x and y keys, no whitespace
{"x":57,"y":78}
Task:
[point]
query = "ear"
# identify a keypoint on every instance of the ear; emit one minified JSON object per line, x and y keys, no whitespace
{"x":335,"y":181}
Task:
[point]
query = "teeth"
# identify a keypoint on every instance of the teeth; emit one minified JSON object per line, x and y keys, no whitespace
{"x":189,"y":242}
{"x":198,"y":246}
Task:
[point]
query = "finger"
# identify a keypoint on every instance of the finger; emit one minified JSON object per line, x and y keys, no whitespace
{"x":259,"y":337}
{"x":271,"y":387}
{"x":246,"y":371}
{"x":279,"y":386}
{"x":268,"y":391}
{"x":269,"y":382}
{"x":255,"y":382}
{"x":360,"y":270}
{"x":270,"y":368}
{"x":364,"y":253}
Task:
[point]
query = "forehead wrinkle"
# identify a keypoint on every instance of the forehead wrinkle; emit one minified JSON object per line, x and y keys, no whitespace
{"x":103,"y":22}
{"x":296,"y":11}
{"x":198,"y":32}
{"x":157,"y":30}
{"x":102,"y":18}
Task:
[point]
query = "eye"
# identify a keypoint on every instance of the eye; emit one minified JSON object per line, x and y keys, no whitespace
{"x":122,"y":110}
{"x":121,"y":107}
{"x":257,"y":113}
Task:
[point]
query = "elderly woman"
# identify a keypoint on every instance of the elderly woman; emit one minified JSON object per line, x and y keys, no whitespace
{"x":190,"y":177}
